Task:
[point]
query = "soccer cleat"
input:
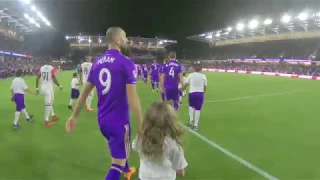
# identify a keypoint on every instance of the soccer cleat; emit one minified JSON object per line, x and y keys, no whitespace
{"x":30,"y":119}
{"x":70,"y":107}
{"x":55,"y":118}
{"x":89,"y":109}
{"x":190,"y":125}
{"x":48,"y":124}
{"x":158,"y":90}
{"x":16,"y":126}
{"x":195,"y":128}
{"x":128,"y":175}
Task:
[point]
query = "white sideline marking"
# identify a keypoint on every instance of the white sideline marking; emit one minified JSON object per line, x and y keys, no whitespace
{"x":233,"y":156}
{"x":251,"y":97}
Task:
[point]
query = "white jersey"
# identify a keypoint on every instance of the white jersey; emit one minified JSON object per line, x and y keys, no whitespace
{"x":18,"y":85}
{"x":74,"y":83}
{"x":196,"y":81}
{"x":46,"y":75}
{"x":173,"y":160}
{"x":85,"y":67}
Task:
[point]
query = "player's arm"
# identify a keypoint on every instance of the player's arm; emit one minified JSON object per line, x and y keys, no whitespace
{"x":186,"y":83}
{"x":163,"y":76}
{"x":82,"y":99}
{"x":179,"y":162}
{"x":132,"y":95}
{"x":37,"y":82}
{"x":205,"y":84}
{"x":54,"y":78}
{"x":80,"y":75}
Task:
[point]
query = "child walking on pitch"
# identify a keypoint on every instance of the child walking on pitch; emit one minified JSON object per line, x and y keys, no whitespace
{"x":74,"y":90}
{"x":158,"y":144}
{"x":198,"y":85}
{"x":18,"y":88}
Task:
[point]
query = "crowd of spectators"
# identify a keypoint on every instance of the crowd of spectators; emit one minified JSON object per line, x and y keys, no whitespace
{"x":302,"y":69}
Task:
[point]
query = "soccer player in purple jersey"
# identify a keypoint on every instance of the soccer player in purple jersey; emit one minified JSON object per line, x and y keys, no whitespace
{"x":145,"y":73}
{"x":161,"y":72}
{"x":114,"y":77}
{"x":154,"y":73}
{"x":139,"y":72}
{"x":170,"y":79}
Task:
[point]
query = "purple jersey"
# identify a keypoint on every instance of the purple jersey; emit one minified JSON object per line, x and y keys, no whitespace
{"x":155,"y":69}
{"x":145,"y":69}
{"x":172,"y":69}
{"x":110,"y":74}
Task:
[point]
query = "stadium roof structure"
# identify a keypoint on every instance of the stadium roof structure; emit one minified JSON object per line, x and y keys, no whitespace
{"x":302,"y":26}
{"x":22,"y":15}
{"x":134,"y":42}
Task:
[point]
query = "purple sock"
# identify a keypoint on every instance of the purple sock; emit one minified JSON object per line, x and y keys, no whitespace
{"x":152,"y":85}
{"x":157,"y":85}
{"x":176,"y":106}
{"x":114,"y":174}
{"x":126,"y":168}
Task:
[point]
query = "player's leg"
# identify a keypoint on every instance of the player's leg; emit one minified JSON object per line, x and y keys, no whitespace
{"x":53,"y":116}
{"x":25,"y":113}
{"x":19,"y":106}
{"x":89,"y":101}
{"x":118,"y":144}
{"x":169,"y":96}
{"x":176,"y":99}
{"x":129,"y":171}
{"x":198,"y":106}
{"x":191,"y":109}
{"x":48,"y":107}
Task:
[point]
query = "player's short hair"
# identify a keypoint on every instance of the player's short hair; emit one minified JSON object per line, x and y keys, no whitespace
{"x":111,"y":33}
{"x":19,"y":72}
{"x":74,"y":74}
{"x":197,"y":67}
{"x":172,"y":55}
{"x":160,"y":121}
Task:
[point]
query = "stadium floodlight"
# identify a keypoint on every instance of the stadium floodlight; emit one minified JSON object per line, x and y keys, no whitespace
{"x":67,"y":37}
{"x":240,"y":26}
{"x":26,"y":1}
{"x":26,"y":16}
{"x":253,"y":24}
{"x":286,"y":18}
{"x":303,"y":16}
{"x":38,"y":25}
{"x":90,"y":40}
{"x":160,"y":42}
{"x":217,"y":35}
{"x":209,"y":37}
{"x":48,"y":23}
{"x":201,"y":35}
{"x":267,"y":21}
{"x":229,"y":29}
{"x":33,"y":8}
{"x":32,"y":20}
{"x":100,"y":40}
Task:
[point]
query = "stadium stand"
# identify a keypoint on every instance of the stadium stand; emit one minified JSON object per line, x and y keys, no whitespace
{"x":18,"y":19}
{"x":140,"y":49}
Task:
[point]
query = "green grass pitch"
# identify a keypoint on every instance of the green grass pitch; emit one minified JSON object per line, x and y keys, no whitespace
{"x":271,"y":122}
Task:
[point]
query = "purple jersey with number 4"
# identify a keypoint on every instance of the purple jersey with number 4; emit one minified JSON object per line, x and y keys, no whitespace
{"x":110,"y":74}
{"x":172,"y":69}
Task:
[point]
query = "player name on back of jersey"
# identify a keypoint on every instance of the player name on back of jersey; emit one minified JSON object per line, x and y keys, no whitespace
{"x":105,"y":59}
{"x":173,"y":64}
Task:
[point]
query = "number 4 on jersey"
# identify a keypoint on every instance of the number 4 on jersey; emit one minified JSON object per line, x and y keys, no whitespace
{"x":171,"y":72}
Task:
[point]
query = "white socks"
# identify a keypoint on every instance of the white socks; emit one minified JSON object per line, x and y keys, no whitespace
{"x":47,"y":112}
{"x":191,"y":115}
{"x":194,"y":116}
{"x":89,"y":100}
{"x":16,"y":118}
{"x":71,"y":102}
{"x":197,"y":118}
{"x":25,"y":113}
{"x":52,"y":112}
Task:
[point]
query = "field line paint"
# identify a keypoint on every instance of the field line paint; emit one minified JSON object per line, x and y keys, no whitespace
{"x":233,"y":156}
{"x":257,"y":96}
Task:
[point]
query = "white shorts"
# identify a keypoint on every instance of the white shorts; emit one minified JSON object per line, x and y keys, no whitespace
{"x":48,"y":95}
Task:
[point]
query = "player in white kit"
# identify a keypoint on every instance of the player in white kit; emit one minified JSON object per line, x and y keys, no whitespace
{"x":47,"y":75}
{"x":74,"y":90}
{"x":85,"y":69}
{"x":18,"y":88}
{"x":198,"y":85}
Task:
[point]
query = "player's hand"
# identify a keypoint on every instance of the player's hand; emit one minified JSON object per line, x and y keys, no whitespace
{"x":181,"y":172}
{"x":60,"y":88}
{"x":71,"y":124}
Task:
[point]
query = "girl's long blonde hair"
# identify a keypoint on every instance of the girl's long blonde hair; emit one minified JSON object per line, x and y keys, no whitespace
{"x":160,"y":122}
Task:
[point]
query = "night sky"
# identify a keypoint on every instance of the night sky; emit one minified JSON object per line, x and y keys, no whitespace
{"x":172,"y":19}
